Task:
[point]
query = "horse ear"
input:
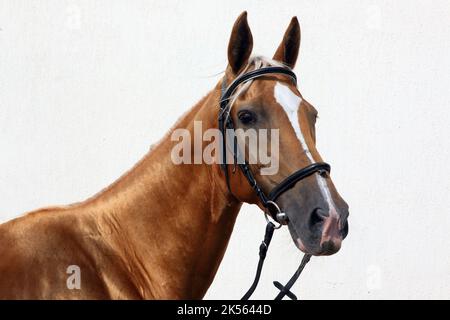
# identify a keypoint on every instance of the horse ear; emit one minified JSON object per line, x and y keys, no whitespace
{"x":241,"y":43}
{"x":287,"y":51}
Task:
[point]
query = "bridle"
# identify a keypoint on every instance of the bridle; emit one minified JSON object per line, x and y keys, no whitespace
{"x":268,"y":201}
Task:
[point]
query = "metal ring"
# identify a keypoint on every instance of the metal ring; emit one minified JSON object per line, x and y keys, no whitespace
{"x":267,"y":216}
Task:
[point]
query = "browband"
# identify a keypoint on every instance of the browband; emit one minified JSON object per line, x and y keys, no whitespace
{"x":252,"y":75}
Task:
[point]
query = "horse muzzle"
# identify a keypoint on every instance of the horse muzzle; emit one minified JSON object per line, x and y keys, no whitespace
{"x":327,"y":239}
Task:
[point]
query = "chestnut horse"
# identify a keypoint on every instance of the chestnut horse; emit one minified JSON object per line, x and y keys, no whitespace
{"x":161,"y":230}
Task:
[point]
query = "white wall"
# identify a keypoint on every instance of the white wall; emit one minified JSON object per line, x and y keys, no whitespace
{"x":87,"y":86}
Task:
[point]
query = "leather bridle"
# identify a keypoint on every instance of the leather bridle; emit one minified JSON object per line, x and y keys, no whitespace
{"x":268,"y":201}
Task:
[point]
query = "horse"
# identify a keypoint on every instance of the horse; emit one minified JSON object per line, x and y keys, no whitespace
{"x":161,"y":230}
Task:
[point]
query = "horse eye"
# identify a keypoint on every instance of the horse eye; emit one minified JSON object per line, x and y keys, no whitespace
{"x":246,"y":116}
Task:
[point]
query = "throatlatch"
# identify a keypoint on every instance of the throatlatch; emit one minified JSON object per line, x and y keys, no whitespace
{"x":269,"y":202}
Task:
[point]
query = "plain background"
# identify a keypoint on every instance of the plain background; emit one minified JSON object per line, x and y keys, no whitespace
{"x":87,"y":86}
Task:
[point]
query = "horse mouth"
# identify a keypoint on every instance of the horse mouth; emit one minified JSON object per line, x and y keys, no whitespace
{"x":326,"y":248}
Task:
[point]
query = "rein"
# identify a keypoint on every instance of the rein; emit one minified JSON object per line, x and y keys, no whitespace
{"x":268,"y":201}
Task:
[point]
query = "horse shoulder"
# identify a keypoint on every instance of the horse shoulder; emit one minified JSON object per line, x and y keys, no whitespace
{"x":41,"y":251}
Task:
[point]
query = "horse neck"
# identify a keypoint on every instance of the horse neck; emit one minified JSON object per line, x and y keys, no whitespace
{"x":172,"y":222}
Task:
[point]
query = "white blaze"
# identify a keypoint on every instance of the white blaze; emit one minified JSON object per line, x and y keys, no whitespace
{"x":290,"y":102}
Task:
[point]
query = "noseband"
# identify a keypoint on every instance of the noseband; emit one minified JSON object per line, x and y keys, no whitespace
{"x":268,"y":201}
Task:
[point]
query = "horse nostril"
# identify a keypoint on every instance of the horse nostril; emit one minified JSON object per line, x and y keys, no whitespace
{"x":344,"y":230}
{"x":317,"y":217}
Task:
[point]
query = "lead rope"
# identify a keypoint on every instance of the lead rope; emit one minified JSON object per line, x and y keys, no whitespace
{"x":284,"y":290}
{"x":262,"y":255}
